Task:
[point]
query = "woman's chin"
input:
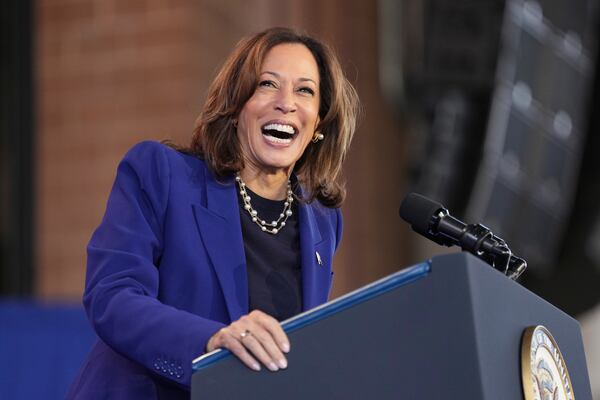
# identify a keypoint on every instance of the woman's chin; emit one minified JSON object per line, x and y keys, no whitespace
{"x":275,"y":163}
{"x":278,"y":157}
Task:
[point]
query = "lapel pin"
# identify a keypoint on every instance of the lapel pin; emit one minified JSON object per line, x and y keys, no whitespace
{"x":318,"y":258}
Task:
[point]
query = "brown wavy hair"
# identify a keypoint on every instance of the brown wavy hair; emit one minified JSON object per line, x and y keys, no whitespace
{"x":319,"y":168}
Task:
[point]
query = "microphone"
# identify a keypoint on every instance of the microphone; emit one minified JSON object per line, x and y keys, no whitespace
{"x":432,"y":220}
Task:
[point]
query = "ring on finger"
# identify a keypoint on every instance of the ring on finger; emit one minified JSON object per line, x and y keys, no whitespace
{"x":245,"y":334}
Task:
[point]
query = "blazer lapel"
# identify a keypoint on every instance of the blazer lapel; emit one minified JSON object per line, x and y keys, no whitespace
{"x":316,"y":270}
{"x":220,"y":228}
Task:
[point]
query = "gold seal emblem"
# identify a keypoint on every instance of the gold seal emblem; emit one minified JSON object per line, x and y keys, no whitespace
{"x":543,"y":370}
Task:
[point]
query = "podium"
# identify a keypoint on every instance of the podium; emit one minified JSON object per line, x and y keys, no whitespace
{"x":448,"y":328}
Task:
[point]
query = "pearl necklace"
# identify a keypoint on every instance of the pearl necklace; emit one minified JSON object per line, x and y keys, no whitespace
{"x":270,"y":227}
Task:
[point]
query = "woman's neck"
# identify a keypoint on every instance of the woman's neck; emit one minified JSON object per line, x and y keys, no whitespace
{"x":267,"y":185}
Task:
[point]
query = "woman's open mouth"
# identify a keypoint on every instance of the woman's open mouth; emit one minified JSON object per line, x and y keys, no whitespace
{"x":278,"y":133}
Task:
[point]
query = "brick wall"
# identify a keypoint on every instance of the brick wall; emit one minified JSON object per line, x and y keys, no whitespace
{"x":111,"y":73}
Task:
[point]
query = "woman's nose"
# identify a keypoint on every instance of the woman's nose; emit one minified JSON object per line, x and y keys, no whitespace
{"x":285,"y":101}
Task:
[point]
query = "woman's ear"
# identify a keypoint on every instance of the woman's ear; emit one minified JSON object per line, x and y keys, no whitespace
{"x":317,"y":123}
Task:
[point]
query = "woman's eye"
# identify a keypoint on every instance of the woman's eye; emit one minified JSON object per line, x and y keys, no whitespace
{"x":267,"y":83}
{"x":307,"y":90}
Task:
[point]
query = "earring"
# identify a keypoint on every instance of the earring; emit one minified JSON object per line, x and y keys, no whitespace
{"x":317,"y":136}
{"x":234,"y":122}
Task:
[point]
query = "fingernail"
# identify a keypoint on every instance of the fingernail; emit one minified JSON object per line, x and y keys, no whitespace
{"x":285,"y":347}
{"x":273,"y":367}
{"x":282,"y":363}
{"x":256,"y":367}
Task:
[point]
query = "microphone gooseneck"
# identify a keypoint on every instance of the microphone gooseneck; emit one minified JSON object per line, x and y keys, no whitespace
{"x":432,"y":220}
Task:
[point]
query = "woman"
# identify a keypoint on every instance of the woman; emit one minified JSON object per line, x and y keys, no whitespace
{"x":212,"y":245}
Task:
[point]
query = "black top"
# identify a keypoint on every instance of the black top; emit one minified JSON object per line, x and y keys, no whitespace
{"x":273,"y":261}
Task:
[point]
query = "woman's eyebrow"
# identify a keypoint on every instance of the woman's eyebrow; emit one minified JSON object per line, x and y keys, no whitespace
{"x":276,"y":75}
{"x":308,"y":80}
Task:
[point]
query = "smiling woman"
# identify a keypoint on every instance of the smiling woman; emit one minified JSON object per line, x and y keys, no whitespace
{"x":212,"y":245}
{"x":241,"y":77}
{"x":280,"y":119}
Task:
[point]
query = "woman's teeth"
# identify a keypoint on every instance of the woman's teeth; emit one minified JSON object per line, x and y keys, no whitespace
{"x":275,"y":139}
{"x":278,"y":133}
{"x":280,"y":127}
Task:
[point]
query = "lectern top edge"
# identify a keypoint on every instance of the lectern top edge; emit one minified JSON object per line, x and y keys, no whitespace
{"x":346,"y":301}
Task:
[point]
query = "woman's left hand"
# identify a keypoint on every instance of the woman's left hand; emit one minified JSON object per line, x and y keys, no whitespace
{"x":254,"y":336}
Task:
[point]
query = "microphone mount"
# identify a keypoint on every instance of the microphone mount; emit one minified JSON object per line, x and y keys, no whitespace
{"x":433,"y":221}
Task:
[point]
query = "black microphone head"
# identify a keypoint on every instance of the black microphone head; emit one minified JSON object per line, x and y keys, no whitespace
{"x":418,"y":211}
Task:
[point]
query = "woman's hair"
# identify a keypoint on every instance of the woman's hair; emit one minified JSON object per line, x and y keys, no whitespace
{"x":215,"y":137}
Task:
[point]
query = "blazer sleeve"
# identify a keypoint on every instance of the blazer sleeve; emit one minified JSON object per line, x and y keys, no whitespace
{"x":122,"y":278}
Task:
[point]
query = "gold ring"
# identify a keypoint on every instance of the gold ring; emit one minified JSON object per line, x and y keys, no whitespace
{"x":245,"y":333}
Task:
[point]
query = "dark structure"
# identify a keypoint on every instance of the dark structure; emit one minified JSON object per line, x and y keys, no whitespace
{"x":16,"y":148}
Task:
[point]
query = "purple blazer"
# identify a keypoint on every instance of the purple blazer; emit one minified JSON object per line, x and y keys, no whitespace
{"x":166,"y":270}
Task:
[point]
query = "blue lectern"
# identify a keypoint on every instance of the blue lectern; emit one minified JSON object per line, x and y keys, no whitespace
{"x":449,"y":328}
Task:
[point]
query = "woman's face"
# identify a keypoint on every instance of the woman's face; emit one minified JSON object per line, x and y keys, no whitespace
{"x":279,"y":120}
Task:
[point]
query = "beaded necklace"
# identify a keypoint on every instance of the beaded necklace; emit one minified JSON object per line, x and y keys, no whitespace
{"x":270,"y":227}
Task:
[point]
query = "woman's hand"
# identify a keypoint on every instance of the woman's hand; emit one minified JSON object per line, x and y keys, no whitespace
{"x":254,"y":336}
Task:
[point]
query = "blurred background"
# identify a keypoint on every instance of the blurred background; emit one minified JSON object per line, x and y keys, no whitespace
{"x":488,"y":106}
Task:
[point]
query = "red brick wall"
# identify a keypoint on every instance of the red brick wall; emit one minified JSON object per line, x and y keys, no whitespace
{"x":111,"y":73}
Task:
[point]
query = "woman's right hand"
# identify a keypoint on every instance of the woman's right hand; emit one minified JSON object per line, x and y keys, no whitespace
{"x":256,"y":336}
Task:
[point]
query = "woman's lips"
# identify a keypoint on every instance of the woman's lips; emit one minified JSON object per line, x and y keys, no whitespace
{"x":278,"y":132}
{"x":276,"y":140}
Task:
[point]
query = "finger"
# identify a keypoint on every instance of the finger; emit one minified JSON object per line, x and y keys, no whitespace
{"x":226,"y":338}
{"x":239,"y":350}
{"x":274,"y":328}
{"x":266,"y":340}
{"x":256,"y":347}
{"x":215,"y":340}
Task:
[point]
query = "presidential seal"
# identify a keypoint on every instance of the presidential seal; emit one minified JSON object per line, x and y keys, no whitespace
{"x":543,"y":370}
